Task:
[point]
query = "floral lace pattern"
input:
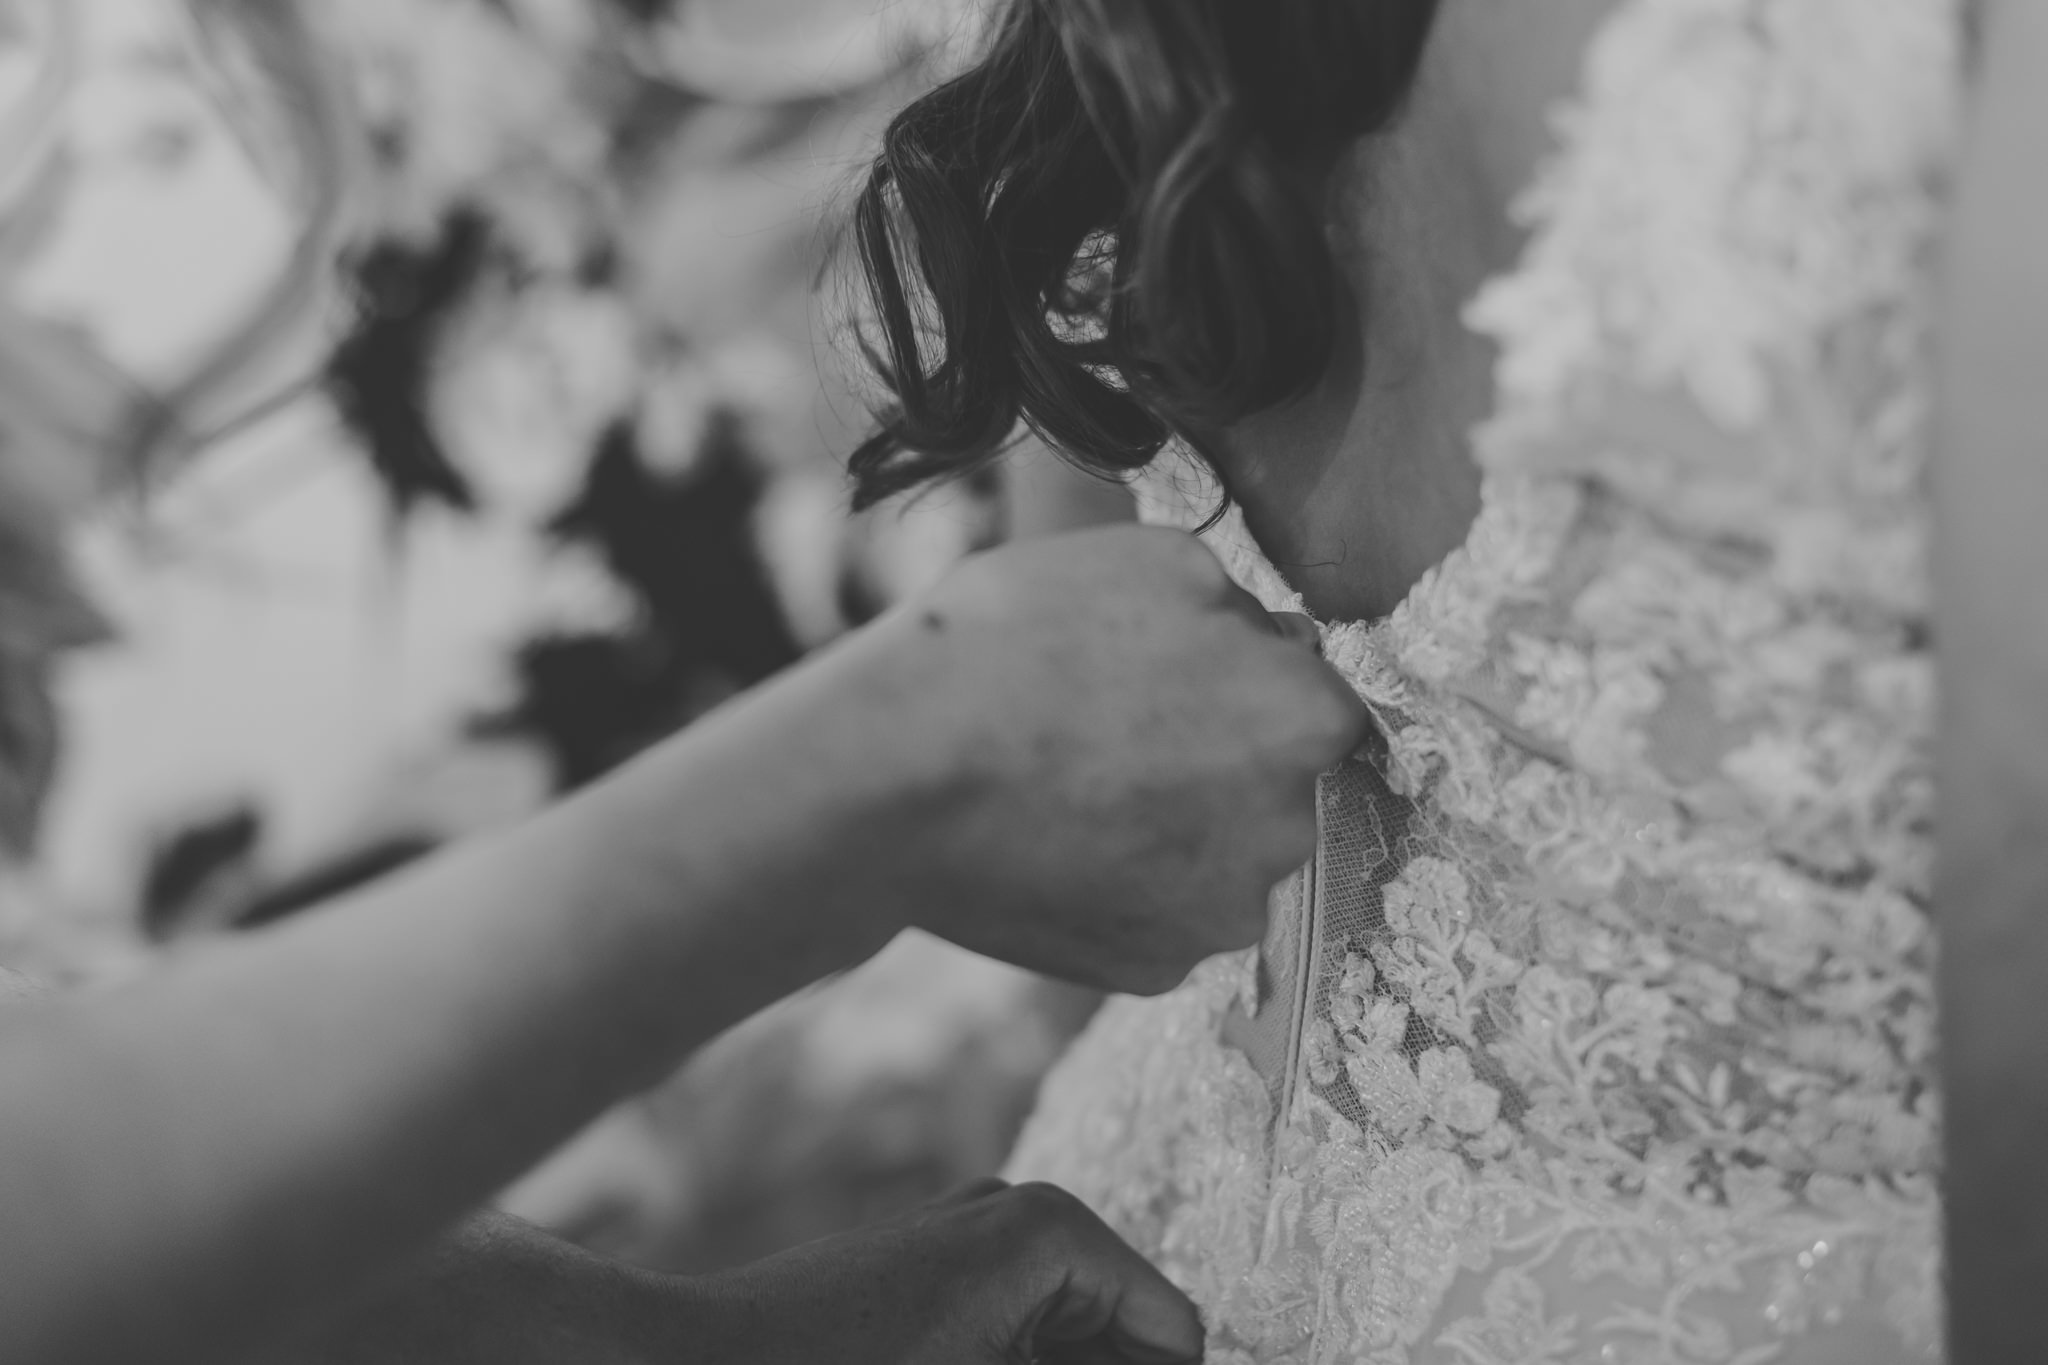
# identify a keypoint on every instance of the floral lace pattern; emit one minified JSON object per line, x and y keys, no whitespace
{"x":1604,"y":1013}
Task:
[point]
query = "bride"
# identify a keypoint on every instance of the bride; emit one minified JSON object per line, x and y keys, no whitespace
{"x":1568,"y":362}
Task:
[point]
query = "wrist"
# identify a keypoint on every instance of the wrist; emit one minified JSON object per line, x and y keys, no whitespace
{"x":797,"y":824}
{"x":918,"y":728}
{"x":865,"y":756}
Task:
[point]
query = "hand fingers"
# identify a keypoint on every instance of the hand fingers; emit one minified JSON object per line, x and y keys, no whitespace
{"x":1200,"y":561}
{"x":1292,"y":625}
{"x":1111,"y":1297}
{"x":1356,"y":725}
{"x":1352,"y":722}
{"x":1288,"y":625}
{"x":1142,"y":1321}
{"x":970,"y":1192}
{"x":1235,"y":599}
{"x":1089,"y":1353}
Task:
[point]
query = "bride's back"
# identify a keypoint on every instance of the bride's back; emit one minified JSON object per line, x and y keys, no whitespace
{"x":1601,"y":1027}
{"x":1365,"y":481}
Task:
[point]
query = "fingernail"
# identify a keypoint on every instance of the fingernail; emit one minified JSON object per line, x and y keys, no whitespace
{"x":1298,"y":628}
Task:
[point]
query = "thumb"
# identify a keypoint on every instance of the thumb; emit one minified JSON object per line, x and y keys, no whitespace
{"x":1097,"y":1353}
{"x":1292,"y":625}
{"x":1145,"y":1324}
{"x":1115,"y":1307}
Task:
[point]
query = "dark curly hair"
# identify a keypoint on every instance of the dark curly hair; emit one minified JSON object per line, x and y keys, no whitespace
{"x":1112,"y":226}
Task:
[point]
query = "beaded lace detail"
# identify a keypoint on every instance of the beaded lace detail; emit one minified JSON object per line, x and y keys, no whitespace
{"x":1601,"y":1027}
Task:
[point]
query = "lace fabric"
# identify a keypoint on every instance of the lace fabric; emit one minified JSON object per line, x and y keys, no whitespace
{"x":1601,"y":1027}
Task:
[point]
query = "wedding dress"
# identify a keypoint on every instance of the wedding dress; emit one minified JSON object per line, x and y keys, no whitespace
{"x":1601,"y":1027}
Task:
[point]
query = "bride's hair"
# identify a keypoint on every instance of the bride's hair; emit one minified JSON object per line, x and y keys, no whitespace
{"x":1112,"y":226}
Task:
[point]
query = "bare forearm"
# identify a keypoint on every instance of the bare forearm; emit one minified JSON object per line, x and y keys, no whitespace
{"x":1087,"y":754}
{"x":255,"y":1130}
{"x":1991,"y":477}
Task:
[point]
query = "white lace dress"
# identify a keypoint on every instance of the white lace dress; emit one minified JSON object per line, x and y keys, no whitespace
{"x":1601,"y":1028}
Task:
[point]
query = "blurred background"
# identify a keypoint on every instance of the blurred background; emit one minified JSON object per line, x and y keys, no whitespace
{"x":494,"y":371}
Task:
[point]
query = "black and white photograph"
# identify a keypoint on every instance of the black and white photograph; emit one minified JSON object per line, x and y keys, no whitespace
{"x":1023,"y":682}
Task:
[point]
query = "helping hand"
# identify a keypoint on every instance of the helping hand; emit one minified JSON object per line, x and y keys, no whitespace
{"x":1137,"y":745}
{"x":992,"y":1275}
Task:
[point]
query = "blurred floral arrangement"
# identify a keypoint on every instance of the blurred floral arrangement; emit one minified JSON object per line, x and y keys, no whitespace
{"x":553,"y":263}
{"x":557,"y":272}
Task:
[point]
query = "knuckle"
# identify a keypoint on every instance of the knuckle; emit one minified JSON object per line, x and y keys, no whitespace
{"x":975,"y":1190}
{"x":1343,"y":713}
{"x":1291,"y":833}
{"x":1164,"y":964}
{"x":1323,"y":690}
{"x":1327,"y":732}
{"x":1294,"y":843}
{"x":1159,"y":980}
{"x":1246,"y":926}
{"x":1233,"y":916}
{"x":1319,"y":693}
{"x":1282,"y":835}
{"x":1186,"y":555}
{"x":1043,"y":1207}
{"x":1271,"y":865}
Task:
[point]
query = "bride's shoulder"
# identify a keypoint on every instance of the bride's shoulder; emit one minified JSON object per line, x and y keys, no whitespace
{"x":1749,"y":172}
{"x":1871,"y":78}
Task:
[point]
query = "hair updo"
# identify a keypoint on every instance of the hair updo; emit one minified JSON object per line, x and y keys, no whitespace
{"x":1112,"y":226}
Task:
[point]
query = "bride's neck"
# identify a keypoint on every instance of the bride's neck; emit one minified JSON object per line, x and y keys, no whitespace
{"x":1360,"y":486}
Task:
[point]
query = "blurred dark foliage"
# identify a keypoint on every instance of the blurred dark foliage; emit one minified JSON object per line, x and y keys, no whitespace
{"x":335,"y":877}
{"x":28,"y":747}
{"x":42,"y":614}
{"x":205,"y":877}
{"x":707,"y":625}
{"x":708,"y":622}
{"x":381,"y":374}
{"x":646,"y":11}
{"x":189,"y":865}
